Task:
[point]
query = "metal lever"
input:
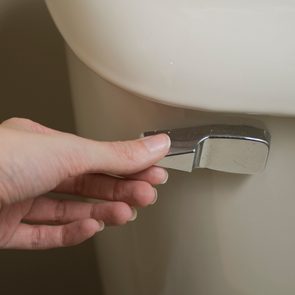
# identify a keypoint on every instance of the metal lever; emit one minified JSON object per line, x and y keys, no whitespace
{"x":229,"y":148}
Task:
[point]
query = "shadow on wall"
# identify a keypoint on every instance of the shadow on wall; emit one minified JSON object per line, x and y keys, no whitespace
{"x":33,"y":84}
{"x":32,"y":66}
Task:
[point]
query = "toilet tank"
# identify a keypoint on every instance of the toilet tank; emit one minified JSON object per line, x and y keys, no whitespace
{"x":152,"y":65}
{"x":217,"y":55}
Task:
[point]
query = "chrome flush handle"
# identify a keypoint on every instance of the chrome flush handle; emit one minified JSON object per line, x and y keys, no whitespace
{"x":229,"y":148}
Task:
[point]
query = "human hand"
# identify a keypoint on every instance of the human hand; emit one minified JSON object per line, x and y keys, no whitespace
{"x":35,"y":160}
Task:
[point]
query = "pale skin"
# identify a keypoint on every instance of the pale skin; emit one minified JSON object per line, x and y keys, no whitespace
{"x":36,"y":160}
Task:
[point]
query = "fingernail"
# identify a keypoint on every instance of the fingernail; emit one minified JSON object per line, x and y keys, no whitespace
{"x":166,"y":179}
{"x":134,"y":214}
{"x":156,"y":197}
{"x":157,"y":143}
{"x":101,"y":226}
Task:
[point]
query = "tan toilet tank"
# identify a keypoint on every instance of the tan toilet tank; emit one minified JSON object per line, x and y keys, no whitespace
{"x":136,"y":66}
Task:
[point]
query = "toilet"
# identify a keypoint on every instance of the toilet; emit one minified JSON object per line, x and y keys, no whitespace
{"x":139,"y":66}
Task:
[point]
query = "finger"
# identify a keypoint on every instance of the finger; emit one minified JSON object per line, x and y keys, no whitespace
{"x":27,"y":125}
{"x":79,"y":155}
{"x":104,"y":187}
{"x":154,"y":175}
{"x":112,"y":157}
{"x":52,"y":211}
{"x":39,"y":237}
{"x":129,"y":157}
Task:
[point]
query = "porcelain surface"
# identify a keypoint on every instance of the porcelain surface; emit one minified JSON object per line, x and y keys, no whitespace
{"x":218,"y":55}
{"x":210,"y":233}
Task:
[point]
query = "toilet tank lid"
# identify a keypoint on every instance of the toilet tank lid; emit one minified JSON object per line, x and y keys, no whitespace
{"x":229,"y":56}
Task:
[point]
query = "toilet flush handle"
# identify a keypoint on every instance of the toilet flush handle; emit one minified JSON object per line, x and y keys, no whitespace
{"x":229,"y":148}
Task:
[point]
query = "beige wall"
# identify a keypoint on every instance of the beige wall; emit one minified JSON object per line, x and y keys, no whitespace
{"x":33,"y":84}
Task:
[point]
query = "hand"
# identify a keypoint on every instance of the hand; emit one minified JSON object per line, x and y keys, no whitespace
{"x":35,"y":160}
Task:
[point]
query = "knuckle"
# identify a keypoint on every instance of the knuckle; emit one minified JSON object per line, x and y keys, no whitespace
{"x":60,"y":211}
{"x":118,"y":190}
{"x":25,"y":124}
{"x":132,"y":155}
{"x":15,"y":120}
{"x":36,"y":241}
{"x":125,"y":151}
{"x":36,"y":127}
{"x":80,"y":185}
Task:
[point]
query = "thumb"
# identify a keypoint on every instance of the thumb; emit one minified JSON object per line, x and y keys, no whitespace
{"x":83,"y":155}
{"x":123,"y":158}
{"x":109,"y":157}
